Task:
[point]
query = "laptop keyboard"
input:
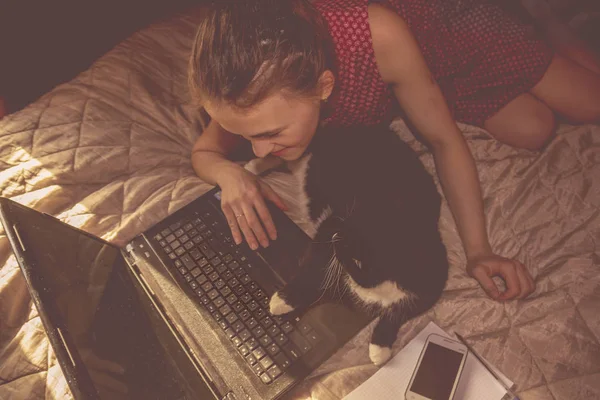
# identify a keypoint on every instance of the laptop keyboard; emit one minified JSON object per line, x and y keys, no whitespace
{"x":215,"y":268}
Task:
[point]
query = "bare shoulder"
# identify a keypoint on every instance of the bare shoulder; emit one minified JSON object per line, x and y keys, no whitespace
{"x":393,"y":43}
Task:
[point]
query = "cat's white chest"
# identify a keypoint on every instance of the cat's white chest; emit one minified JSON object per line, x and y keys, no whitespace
{"x":384,"y":294}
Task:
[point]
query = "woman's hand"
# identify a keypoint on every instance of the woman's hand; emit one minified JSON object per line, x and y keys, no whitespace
{"x":242,"y":201}
{"x":519,"y":282}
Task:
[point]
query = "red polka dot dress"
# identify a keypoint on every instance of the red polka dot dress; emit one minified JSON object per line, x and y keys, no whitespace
{"x":480,"y":57}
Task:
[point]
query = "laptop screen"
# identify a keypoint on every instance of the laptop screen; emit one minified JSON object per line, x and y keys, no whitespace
{"x":86,"y":289}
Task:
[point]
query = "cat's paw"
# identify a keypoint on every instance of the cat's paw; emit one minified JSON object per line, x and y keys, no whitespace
{"x":278,"y":305}
{"x":379,"y":355}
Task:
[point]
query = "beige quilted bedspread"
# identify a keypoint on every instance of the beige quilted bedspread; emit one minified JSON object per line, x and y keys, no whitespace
{"x":110,"y":152}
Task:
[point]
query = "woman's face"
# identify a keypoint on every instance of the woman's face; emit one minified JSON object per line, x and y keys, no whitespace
{"x":281,"y":125}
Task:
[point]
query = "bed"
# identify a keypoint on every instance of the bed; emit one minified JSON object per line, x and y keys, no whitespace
{"x":109,"y":152}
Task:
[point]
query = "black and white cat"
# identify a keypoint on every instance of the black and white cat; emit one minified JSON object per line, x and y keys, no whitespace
{"x":376,"y":212}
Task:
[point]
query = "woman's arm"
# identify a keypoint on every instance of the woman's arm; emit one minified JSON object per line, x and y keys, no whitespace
{"x":402,"y":66}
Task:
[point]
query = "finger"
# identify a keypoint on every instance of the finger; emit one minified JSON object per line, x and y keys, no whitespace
{"x":523,"y":281}
{"x":107,"y":381}
{"x":530,"y":280}
{"x":246,"y":229}
{"x":265,"y":217}
{"x":270,"y":194}
{"x":254,"y":223}
{"x":233,"y":224}
{"x":508,"y":272}
{"x":486,"y":282}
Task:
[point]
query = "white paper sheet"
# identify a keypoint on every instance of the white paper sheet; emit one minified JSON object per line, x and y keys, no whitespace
{"x":391,"y":381}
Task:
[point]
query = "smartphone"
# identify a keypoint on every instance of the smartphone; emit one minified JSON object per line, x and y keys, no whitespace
{"x":438,"y":370}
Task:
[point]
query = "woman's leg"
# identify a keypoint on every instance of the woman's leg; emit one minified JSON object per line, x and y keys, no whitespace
{"x":525,"y":122}
{"x":566,"y":88}
{"x":570,"y":90}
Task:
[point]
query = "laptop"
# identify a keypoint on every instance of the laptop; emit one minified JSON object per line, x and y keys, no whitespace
{"x":117,"y":334}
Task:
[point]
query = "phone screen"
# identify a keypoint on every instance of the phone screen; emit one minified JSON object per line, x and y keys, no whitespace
{"x":437,"y":372}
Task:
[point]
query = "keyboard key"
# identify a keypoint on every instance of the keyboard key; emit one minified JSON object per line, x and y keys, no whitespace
{"x":193,"y":233}
{"x":274,"y":372}
{"x":258,"y":331}
{"x":246,"y":297}
{"x":253,"y":305}
{"x":238,"y":307}
{"x":272,"y":349}
{"x":195,"y":272}
{"x":207,"y":286}
{"x":251,"y":323}
{"x":215,"y":261}
{"x":239,"y":290}
{"x":281,"y":360}
{"x":226,"y":275}
{"x":221,"y":268}
{"x":300,"y":342}
{"x":252,"y":343}
{"x":212,"y":294}
{"x":291,"y":351}
{"x":231,"y":318}
{"x":237,"y":341}
{"x":244,"y":315}
{"x":187,"y":227}
{"x":179,"y":232}
{"x":196,"y":222}
{"x":233,"y":282}
{"x":163,"y":243}
{"x":257,"y":368}
{"x":170,"y":238}
{"x":208,"y":269}
{"x":201,"y":279}
{"x":265,"y":302}
{"x":274,"y":331}
{"x":188,"y":246}
{"x":287,"y":327}
{"x":183,"y":270}
{"x":188,"y":262}
{"x":238,"y":271}
{"x":259,"y":313}
{"x":180,"y":251}
{"x":178,"y":263}
{"x":211,"y":308}
{"x":194,"y":285}
{"x":213,"y":276}
{"x":259,"y":295}
{"x":172,"y":256}
{"x":245,"y":334}
{"x":184,"y":239}
{"x":165,"y":232}
{"x":219,"y":284}
{"x":281,"y":339}
{"x":175,"y":226}
{"x":250,"y":359}
{"x":232,"y":298}
{"x":225,"y":291}
{"x":225,"y":309}
{"x":175,"y":244}
{"x":243,"y":350}
{"x":227,"y":258}
{"x":198,"y":239}
{"x":267,"y":322}
{"x":222,"y":323}
{"x":230,"y":333}
{"x":195,"y":254}
{"x":258,"y":353}
{"x":203,"y":262}
{"x":265,"y":378}
{"x":266,"y":362}
{"x":245,"y":279}
{"x":218,"y":302}
{"x":265,"y":340}
{"x":205,"y":300}
{"x":238,"y":326}
{"x":188,"y":277}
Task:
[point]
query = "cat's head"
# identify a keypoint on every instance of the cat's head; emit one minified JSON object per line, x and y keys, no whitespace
{"x":359,"y":254}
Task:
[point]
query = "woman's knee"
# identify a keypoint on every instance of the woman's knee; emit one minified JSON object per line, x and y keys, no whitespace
{"x":524,"y":123}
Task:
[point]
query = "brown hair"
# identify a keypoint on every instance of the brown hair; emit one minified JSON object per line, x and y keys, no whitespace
{"x":244,"y":50}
